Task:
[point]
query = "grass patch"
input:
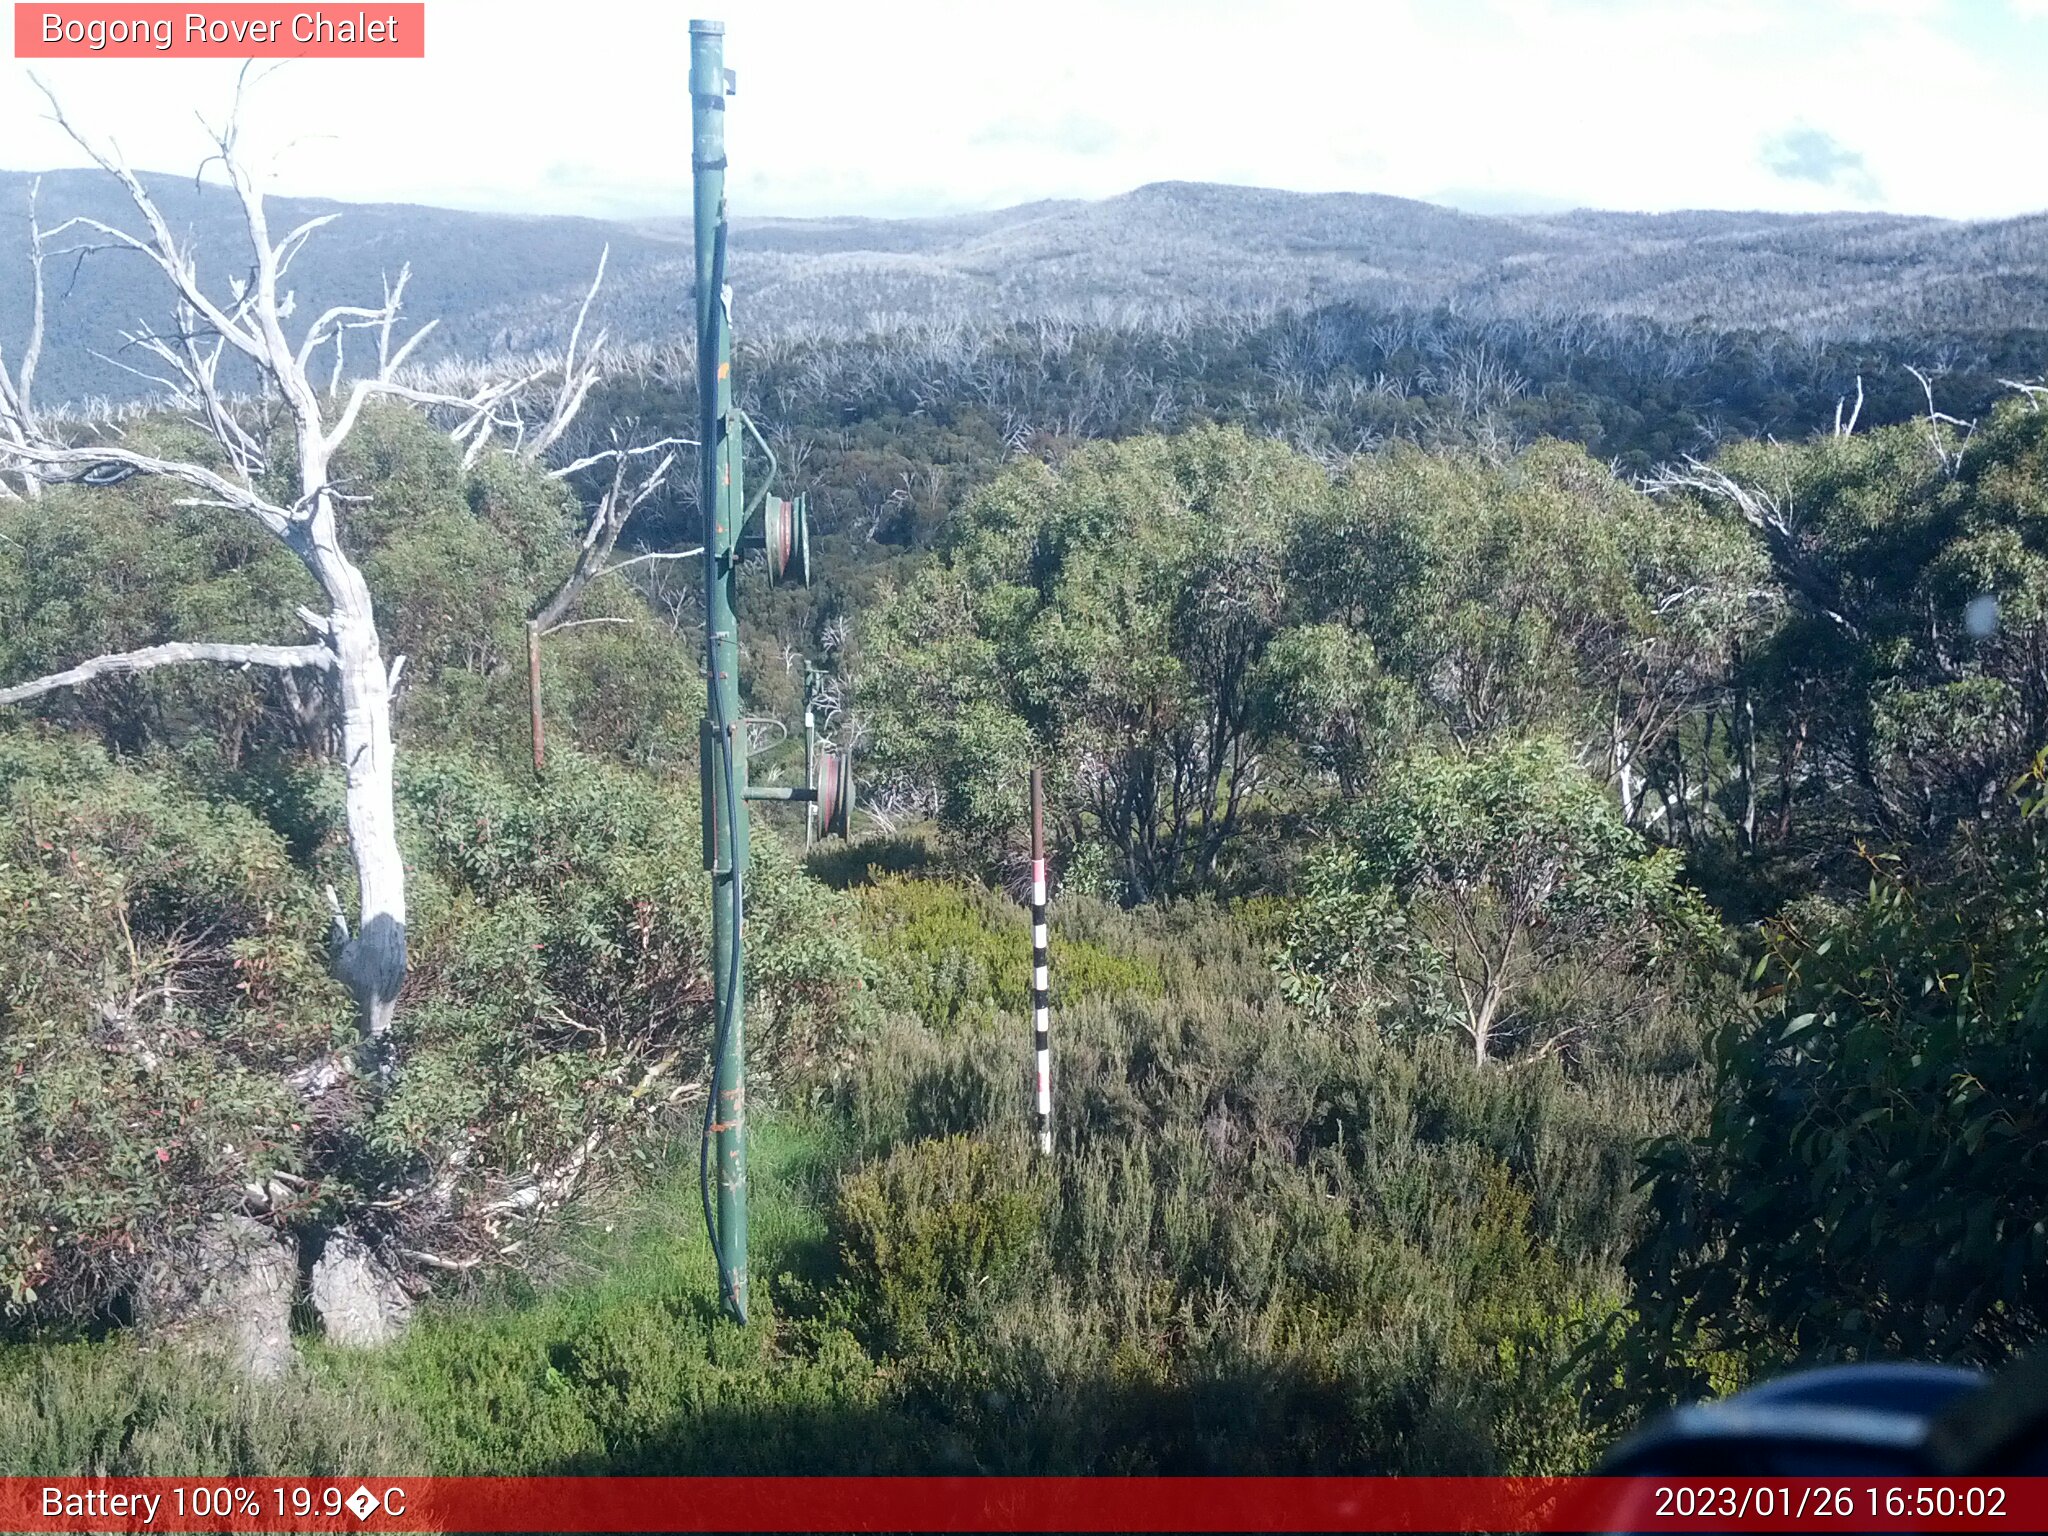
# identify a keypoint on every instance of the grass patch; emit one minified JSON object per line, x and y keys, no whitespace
{"x":628,"y":1365}
{"x":635,"y":1368}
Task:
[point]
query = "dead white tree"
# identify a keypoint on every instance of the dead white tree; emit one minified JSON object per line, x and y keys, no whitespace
{"x":579,"y":375}
{"x":581,"y":369}
{"x":17,"y":389}
{"x":622,"y":496}
{"x":1772,"y":515}
{"x":1848,"y":428}
{"x":248,"y":324}
{"x":1950,"y":459}
{"x":2033,"y":394}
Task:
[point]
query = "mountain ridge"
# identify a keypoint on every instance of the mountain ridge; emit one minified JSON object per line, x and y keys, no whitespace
{"x":509,"y":283}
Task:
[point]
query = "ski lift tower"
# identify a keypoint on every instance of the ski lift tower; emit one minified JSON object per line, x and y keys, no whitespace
{"x":784,"y":540}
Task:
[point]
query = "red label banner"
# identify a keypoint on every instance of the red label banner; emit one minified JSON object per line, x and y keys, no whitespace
{"x":228,"y":31}
{"x":1134,"y":1504}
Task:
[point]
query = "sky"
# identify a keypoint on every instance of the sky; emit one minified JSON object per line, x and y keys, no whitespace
{"x":901,"y":107}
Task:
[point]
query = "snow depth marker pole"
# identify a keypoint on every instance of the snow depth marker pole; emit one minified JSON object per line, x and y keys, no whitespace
{"x":1041,"y":1003}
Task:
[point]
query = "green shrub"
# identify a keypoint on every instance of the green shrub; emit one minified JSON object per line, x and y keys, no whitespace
{"x":161,"y":966}
{"x":870,"y":859}
{"x":1273,"y":1244}
{"x":1870,"y":1182}
{"x":558,"y":986}
{"x":957,"y":954}
{"x":1463,"y":884}
{"x":935,"y":1232}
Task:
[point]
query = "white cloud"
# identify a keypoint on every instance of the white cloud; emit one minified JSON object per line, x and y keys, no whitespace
{"x":920,"y":105}
{"x":1806,"y":154}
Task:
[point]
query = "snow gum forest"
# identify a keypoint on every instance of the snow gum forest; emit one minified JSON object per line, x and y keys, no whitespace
{"x":1542,"y":722}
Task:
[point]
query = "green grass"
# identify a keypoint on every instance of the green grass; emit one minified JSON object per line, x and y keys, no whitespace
{"x":633,"y":1367}
{"x":625,"y":1365}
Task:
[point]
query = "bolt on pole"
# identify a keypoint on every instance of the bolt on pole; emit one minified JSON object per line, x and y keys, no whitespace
{"x":721,"y":745}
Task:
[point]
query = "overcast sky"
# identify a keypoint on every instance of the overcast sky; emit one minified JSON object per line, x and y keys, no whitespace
{"x":580,"y":106}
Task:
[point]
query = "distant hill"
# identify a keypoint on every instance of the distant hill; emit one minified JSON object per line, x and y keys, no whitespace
{"x":505,"y":283}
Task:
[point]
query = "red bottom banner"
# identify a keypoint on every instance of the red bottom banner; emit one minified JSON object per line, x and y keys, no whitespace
{"x":1119,"y":1504}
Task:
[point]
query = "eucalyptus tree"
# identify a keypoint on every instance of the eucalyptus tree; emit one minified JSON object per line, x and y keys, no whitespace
{"x":269,"y":460}
{"x":1866,"y":1177}
{"x":1465,"y":877}
{"x":1109,"y":615}
{"x":1535,"y":592}
{"x":1908,"y":685}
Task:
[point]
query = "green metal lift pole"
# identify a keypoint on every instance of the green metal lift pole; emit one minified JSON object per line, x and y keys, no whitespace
{"x":723,"y":747}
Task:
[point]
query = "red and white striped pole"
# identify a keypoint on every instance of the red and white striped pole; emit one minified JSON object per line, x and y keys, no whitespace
{"x":1041,"y":1003}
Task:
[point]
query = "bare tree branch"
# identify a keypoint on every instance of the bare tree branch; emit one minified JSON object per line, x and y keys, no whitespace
{"x":556,"y":629}
{"x":601,"y":535}
{"x":2034,"y":393}
{"x":680,"y":554}
{"x":1770,"y":515}
{"x":366,"y":389}
{"x":85,"y":461}
{"x":577,"y":379}
{"x":162,"y":248}
{"x":17,"y":393}
{"x":593,"y":559}
{"x":615,"y":453}
{"x":175,"y":653}
{"x":339,"y":317}
{"x":295,"y":242}
{"x":1949,"y":460}
{"x":1847,"y":429}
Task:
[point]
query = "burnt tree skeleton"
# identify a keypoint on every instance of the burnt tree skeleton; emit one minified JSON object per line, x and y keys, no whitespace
{"x":370,"y":955}
{"x":606,"y":520}
{"x":17,"y":388}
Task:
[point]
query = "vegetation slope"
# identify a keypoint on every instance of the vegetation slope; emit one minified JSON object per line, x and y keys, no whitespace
{"x":1492,"y":896}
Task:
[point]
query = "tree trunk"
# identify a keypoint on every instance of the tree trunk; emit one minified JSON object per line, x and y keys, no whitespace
{"x":1788,"y":771}
{"x":1621,"y":752}
{"x":1482,"y":1020}
{"x":371,"y":962}
{"x":533,"y":695}
{"x":1748,"y":765}
{"x":1742,"y":733}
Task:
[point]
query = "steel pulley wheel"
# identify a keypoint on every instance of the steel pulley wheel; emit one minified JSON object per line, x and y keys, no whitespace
{"x":786,"y":537}
{"x":835,"y":793}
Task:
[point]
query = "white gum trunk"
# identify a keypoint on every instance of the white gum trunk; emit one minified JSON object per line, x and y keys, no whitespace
{"x":371,"y":961}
